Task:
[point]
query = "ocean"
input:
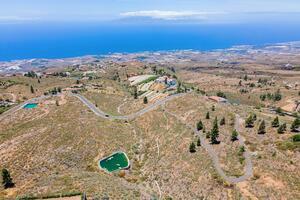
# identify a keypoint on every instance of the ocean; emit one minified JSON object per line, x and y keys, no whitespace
{"x":60,"y":40}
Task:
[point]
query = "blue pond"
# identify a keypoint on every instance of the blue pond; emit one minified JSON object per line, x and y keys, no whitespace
{"x":30,"y":105}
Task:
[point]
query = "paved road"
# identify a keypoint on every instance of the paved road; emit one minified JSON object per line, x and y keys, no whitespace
{"x":214,"y":157}
{"x":105,"y":115}
{"x":238,"y":123}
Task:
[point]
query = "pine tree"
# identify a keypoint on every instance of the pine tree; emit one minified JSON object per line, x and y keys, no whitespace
{"x":145,"y":100}
{"x":234,"y":135}
{"x":198,"y":142}
{"x":262,"y":128}
{"x":282,"y":128}
{"x":249,"y":122}
{"x":6,"y":179}
{"x":199,"y":125}
{"x":295,"y":125}
{"x":215,"y":132}
{"x":207,"y":115}
{"x":275,"y":122}
{"x":213,"y":108}
{"x":31,"y":89}
{"x":192,"y":147}
{"x":222,"y":122}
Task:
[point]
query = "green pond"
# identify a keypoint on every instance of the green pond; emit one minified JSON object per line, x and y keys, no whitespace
{"x":30,"y":105}
{"x":114,"y":162}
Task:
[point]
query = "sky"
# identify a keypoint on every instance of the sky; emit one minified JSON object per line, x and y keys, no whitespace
{"x":206,"y":11}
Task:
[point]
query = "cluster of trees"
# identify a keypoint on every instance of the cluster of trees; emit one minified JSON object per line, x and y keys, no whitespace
{"x":277,"y":96}
{"x":7,"y":181}
{"x":192,"y":147}
{"x":55,"y":91}
{"x":249,"y":123}
{"x":62,"y":74}
{"x":281,"y":128}
{"x":31,"y":74}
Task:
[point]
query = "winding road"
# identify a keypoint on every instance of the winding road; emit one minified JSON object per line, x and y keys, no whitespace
{"x":105,"y":115}
{"x":238,"y":124}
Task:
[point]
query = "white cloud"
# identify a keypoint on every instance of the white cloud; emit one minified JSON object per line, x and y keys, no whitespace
{"x":170,"y":15}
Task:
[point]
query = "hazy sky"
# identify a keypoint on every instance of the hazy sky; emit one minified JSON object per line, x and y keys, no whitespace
{"x":189,"y":10}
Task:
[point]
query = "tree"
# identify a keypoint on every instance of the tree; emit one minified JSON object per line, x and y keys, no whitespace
{"x":282,"y":128}
{"x":145,"y":100}
{"x":199,"y":125}
{"x":222,"y":122}
{"x":295,"y":125}
{"x":262,"y":127}
{"x":214,"y":132}
{"x":192,"y":147}
{"x":234,"y":135}
{"x":198,"y":142}
{"x":59,"y":89}
{"x":6,"y":179}
{"x":135,"y":94}
{"x":275,"y":122}
{"x":39,"y":81}
{"x":207,"y":115}
{"x":77,"y":82}
{"x":249,"y":121}
{"x":31,"y":89}
{"x":246,"y":78}
{"x":263,"y":97}
{"x":240,"y":83}
{"x":57,"y":103}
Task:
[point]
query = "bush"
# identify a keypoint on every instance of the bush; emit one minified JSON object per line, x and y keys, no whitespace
{"x":221,"y":94}
{"x":249,"y":123}
{"x":281,"y":129}
{"x":275,"y":122}
{"x":262,"y":128}
{"x":295,"y":125}
{"x":234,"y":135}
{"x":296,"y":138}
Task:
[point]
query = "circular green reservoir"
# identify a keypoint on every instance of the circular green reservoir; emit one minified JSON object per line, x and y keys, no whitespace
{"x":114,"y":162}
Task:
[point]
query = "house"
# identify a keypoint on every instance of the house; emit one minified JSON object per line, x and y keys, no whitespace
{"x":166,"y":80}
{"x":218,"y":99}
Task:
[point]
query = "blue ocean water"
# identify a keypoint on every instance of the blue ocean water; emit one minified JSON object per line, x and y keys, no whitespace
{"x":59,"y":40}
